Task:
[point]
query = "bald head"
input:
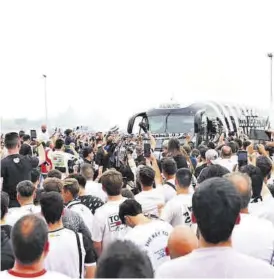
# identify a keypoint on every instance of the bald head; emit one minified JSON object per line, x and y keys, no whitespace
{"x":226,"y":152}
{"x":242,"y":183}
{"x":30,"y":233}
{"x":182,"y":241}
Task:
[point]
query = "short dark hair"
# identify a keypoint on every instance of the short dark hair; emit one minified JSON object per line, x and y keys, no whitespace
{"x":123,"y":259}
{"x":234,"y":147}
{"x":211,"y":145}
{"x":246,"y":144}
{"x":147,"y":176}
{"x":239,"y":142}
{"x":257,"y":179}
{"x":59,"y":143}
{"x":127,"y":193}
{"x":216,"y":205}
{"x":26,"y":137}
{"x":80,"y":178}
{"x":52,"y":206}
{"x":71,"y":185}
{"x":55,"y":173}
{"x":203,"y":150}
{"x":29,"y":236}
{"x":184,"y":177}
{"x":53,"y":184}
{"x":265,"y":165}
{"x":86,"y":151}
{"x":4,"y":204}
{"x":112,"y":181}
{"x":87,"y":171}
{"x":212,"y":171}
{"x":129,"y":207}
{"x":173,"y":145}
{"x":25,"y":189}
{"x":21,"y":133}
{"x":11,"y":140}
{"x":195,"y":153}
{"x":35,"y":175}
{"x":169,"y":166}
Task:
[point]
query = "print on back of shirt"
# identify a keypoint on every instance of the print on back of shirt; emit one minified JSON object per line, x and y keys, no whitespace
{"x":114,"y":223}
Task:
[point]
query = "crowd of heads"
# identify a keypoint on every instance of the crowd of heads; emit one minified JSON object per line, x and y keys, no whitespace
{"x":220,"y":184}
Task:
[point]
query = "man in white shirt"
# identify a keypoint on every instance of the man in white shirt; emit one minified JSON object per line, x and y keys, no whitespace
{"x":92,"y":188}
{"x":70,"y":253}
{"x":253,"y":236}
{"x":150,"y":235}
{"x":60,"y":159}
{"x":43,"y":135}
{"x":107,"y":225}
{"x":30,"y":247}
{"x":216,"y":206}
{"x":178,"y":210}
{"x":226,"y":159}
{"x":25,"y":197}
{"x":152,"y":200}
{"x":169,"y":169}
{"x":70,"y":193}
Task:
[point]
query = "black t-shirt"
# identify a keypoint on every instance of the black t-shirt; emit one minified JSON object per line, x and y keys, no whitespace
{"x":199,"y":169}
{"x":91,"y":256}
{"x":7,"y":257}
{"x":14,"y":169}
{"x":6,"y":229}
{"x":91,"y":202}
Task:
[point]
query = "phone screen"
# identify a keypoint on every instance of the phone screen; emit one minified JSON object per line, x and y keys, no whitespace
{"x":242,"y":158}
{"x":33,"y":134}
{"x":147,"y":150}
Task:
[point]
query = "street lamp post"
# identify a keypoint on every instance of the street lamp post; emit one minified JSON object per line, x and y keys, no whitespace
{"x":46,"y":100}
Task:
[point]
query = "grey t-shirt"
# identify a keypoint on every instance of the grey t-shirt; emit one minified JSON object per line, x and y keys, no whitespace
{"x":217,"y":262}
{"x":73,"y":221}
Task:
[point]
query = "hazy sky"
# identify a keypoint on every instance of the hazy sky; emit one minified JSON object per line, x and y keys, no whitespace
{"x":119,"y":57}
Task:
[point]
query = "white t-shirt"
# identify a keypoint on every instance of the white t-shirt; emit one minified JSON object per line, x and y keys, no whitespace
{"x":60,"y":159}
{"x":151,"y":200}
{"x":9,"y":274}
{"x":152,"y":238}
{"x":216,"y":262}
{"x":15,"y":213}
{"x":83,"y":211}
{"x":63,"y":253}
{"x":107,"y":225}
{"x":168,"y":191}
{"x":95,"y":189}
{"x":254,"y":237}
{"x":43,"y":137}
{"x":266,"y":211}
{"x":178,"y":210}
{"x":227,"y":163}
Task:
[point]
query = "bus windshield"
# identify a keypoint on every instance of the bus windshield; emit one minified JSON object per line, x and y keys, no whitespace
{"x":172,"y":123}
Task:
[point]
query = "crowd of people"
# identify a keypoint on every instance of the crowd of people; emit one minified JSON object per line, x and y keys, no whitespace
{"x":95,"y":205}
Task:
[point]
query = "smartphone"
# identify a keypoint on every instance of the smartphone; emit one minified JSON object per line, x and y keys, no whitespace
{"x":242,"y":158}
{"x":33,"y":135}
{"x":147,"y":150}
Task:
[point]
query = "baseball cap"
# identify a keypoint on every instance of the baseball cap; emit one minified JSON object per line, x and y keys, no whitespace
{"x":211,"y":155}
